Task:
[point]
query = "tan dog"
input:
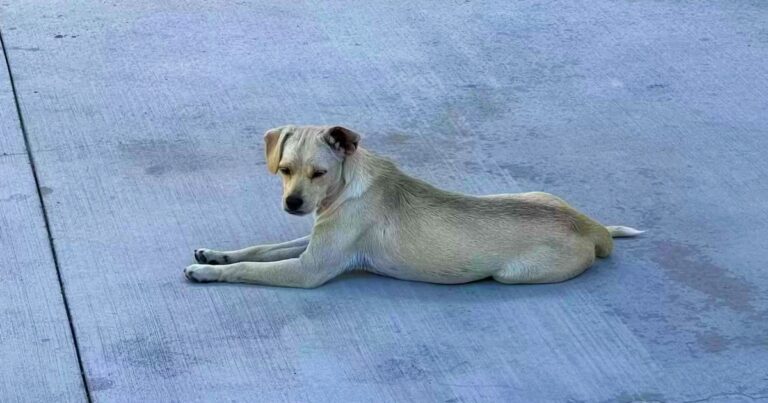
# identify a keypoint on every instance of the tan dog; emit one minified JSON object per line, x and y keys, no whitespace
{"x":369,"y":215}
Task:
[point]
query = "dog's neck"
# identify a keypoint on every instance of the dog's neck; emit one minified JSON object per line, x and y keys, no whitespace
{"x":356,"y":177}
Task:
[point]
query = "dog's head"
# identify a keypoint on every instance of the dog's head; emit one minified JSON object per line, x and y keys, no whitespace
{"x":309,"y":160}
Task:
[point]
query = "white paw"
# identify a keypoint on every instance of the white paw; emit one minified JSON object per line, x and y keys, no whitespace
{"x":202,"y":273}
{"x":208,"y":256}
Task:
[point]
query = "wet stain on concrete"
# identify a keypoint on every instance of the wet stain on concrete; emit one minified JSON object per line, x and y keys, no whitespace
{"x":156,"y":170}
{"x":96,"y":384}
{"x":688,"y":265}
{"x":395,"y":369}
{"x":655,"y":86}
{"x":15,"y":197}
{"x":156,"y":356}
{"x":712,"y":342}
{"x":160,"y":158}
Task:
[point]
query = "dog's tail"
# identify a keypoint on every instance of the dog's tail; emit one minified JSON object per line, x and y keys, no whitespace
{"x":604,"y":238}
{"x":619,"y":231}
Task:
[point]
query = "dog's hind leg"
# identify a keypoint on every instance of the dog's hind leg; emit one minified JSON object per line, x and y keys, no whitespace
{"x":547,"y":266}
{"x":258,"y":253}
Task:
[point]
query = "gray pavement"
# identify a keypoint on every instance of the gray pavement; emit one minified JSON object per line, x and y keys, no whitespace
{"x":144,"y":120}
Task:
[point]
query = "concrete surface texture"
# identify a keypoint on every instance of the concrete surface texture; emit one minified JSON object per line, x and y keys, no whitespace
{"x":144,"y":121}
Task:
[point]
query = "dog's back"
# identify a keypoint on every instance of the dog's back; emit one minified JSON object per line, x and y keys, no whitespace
{"x":450,"y":237}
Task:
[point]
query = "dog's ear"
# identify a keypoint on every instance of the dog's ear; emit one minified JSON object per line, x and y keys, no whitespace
{"x":274,"y":139}
{"x":342,"y":139}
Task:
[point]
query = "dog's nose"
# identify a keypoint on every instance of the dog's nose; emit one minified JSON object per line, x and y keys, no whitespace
{"x":293,"y":202}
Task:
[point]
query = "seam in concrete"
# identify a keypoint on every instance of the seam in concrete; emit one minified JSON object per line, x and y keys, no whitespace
{"x":12,"y":154}
{"x":44,"y":210}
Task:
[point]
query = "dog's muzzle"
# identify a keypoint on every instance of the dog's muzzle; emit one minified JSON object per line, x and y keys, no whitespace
{"x":293,"y":205}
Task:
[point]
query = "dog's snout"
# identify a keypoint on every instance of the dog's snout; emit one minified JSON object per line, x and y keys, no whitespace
{"x":293,"y":202}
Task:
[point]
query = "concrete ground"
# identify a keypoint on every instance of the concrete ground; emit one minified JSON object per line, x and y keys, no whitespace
{"x":130,"y":134}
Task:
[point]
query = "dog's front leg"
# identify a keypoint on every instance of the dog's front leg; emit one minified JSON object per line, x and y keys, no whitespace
{"x":307,"y":271}
{"x":258,"y":253}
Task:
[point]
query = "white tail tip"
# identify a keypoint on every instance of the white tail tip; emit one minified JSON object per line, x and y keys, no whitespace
{"x":618,"y":231}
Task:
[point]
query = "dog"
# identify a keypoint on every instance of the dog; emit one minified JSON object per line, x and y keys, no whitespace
{"x":370,"y":215}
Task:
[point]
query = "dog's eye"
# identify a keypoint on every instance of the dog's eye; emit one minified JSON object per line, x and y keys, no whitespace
{"x":285,"y":171}
{"x":317,"y":174}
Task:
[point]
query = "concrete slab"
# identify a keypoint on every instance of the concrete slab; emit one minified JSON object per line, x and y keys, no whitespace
{"x":147,"y":118}
{"x":38,"y":361}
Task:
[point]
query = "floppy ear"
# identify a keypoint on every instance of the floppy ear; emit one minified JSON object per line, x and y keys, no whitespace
{"x":342,"y":139}
{"x":273,"y":147}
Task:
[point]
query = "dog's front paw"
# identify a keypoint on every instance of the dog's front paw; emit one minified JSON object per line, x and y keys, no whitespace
{"x":208,"y":256}
{"x":202,"y":273}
